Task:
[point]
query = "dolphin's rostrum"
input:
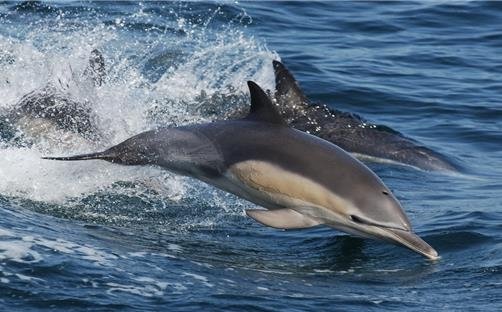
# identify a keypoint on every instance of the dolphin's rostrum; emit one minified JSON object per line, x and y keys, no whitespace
{"x":301,"y":180}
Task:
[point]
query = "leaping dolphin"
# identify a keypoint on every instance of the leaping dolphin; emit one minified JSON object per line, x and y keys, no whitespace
{"x":301,"y":179}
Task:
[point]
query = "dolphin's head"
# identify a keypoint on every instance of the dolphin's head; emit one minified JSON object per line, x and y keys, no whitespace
{"x":371,"y":210}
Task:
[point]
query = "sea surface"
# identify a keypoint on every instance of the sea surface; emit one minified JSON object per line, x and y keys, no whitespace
{"x":93,"y":236}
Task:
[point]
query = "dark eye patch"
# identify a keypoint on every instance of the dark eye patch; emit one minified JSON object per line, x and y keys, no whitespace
{"x":385,"y":192}
{"x":356,"y":219}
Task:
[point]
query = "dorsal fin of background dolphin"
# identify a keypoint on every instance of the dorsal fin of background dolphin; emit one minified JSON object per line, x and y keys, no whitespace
{"x":301,"y":179}
{"x":350,"y":131}
{"x":287,"y":89}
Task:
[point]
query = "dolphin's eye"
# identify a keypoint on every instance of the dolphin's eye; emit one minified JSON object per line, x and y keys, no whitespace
{"x":385,"y":192}
{"x":356,"y":219}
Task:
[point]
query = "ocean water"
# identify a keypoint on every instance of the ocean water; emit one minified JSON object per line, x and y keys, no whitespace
{"x":93,"y":236}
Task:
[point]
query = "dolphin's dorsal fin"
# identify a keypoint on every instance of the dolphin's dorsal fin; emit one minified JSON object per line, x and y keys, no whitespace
{"x":262,"y":108}
{"x":287,"y":89}
{"x":96,"y":69}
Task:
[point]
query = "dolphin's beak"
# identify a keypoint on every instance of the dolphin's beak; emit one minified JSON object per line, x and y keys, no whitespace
{"x":397,"y":234}
{"x":412,"y":241}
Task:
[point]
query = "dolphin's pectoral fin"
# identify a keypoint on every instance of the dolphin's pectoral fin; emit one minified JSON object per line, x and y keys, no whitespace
{"x":282,"y":218}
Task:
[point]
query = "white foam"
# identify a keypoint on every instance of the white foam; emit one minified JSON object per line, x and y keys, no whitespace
{"x":26,"y":278}
{"x":323,"y":271}
{"x":26,"y":175}
{"x":388,"y":270}
{"x":218,"y":60}
{"x":145,"y":291}
{"x":22,"y":250}
{"x":94,"y":255}
{"x":205,"y":265}
{"x":149,"y":287}
{"x":198,"y":277}
{"x":138,"y":254}
{"x":159,"y":284}
{"x":174,"y":247}
{"x":18,"y":251}
{"x":85,"y":252}
{"x":4,"y":232}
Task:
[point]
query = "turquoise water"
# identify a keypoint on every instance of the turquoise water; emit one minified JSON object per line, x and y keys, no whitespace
{"x":95,"y":236}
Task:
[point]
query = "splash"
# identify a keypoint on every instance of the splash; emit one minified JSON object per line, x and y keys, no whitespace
{"x":166,"y":67}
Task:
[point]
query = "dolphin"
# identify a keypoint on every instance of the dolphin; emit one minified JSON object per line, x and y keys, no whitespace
{"x":51,"y":108}
{"x":349,"y":131}
{"x":301,"y":180}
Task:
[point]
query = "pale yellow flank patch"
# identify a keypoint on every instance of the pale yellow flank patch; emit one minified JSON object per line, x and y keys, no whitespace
{"x":276,"y":185}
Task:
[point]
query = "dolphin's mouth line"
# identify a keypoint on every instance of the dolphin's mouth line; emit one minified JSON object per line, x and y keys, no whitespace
{"x":363,"y":221}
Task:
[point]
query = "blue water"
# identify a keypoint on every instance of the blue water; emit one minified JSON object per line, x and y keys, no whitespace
{"x":99,"y":237}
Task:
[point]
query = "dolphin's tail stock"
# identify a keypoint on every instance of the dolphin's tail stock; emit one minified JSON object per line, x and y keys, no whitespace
{"x":125,"y":153}
{"x":99,"y":155}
